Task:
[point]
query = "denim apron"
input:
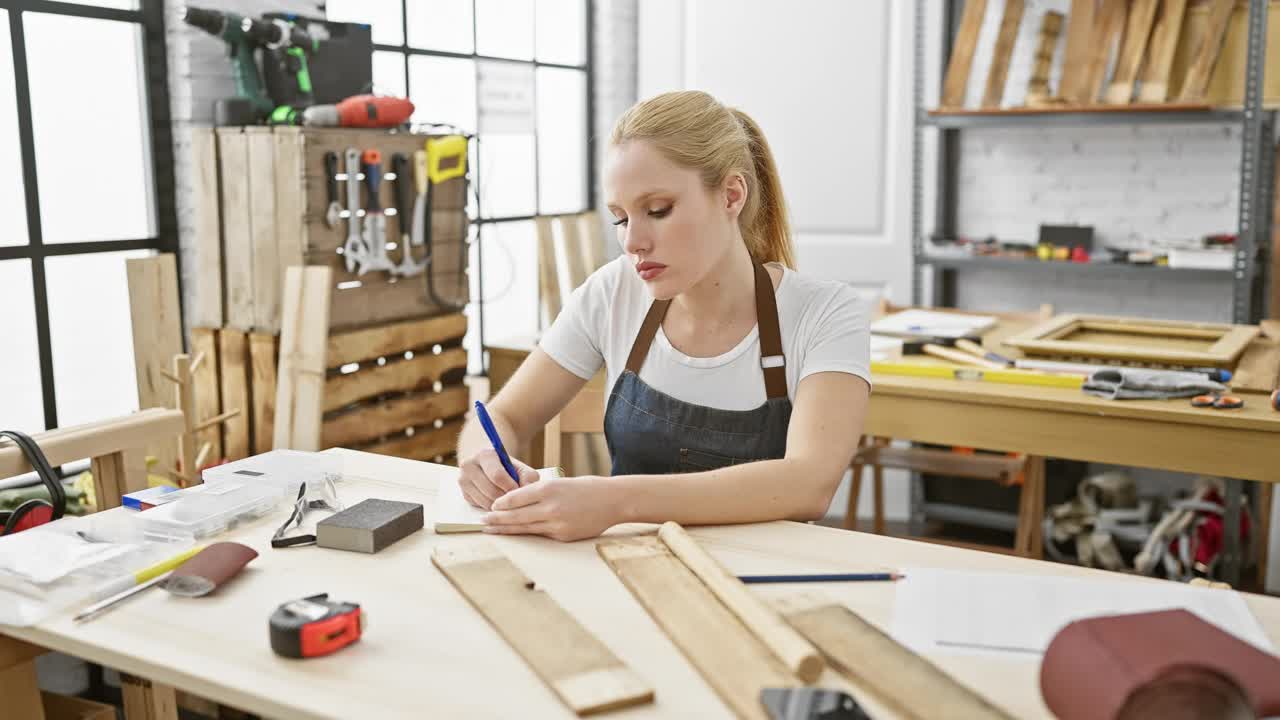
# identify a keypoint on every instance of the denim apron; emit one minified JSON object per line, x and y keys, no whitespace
{"x":651,"y":433}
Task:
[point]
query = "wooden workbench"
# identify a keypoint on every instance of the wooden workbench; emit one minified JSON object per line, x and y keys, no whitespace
{"x":427,"y":653}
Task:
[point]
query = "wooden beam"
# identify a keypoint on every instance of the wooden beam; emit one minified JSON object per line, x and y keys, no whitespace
{"x":262,"y":228}
{"x":157,"y":336}
{"x":423,"y":371}
{"x":966,"y":41}
{"x":264,"y":350}
{"x":1136,"y":33}
{"x":427,"y":445}
{"x":394,"y":338}
{"x":1075,"y":63}
{"x":233,"y":375}
{"x":208,"y":310}
{"x":1038,"y":92}
{"x":1206,"y":55}
{"x":993,"y":96}
{"x":1107,"y":27}
{"x":370,"y":422}
{"x":90,"y":440}
{"x":585,"y":674}
{"x":303,"y":341}
{"x":237,"y":233}
{"x":1154,"y":81}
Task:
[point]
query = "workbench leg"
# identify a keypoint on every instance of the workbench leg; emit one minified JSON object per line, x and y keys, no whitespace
{"x":144,"y":700}
{"x":1265,"y":528}
{"x":1029,"y":540}
{"x":1232,"y":488}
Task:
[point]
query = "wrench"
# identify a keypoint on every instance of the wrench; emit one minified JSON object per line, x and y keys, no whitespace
{"x":375,"y":221}
{"x":408,"y":266}
{"x":354,"y":250}
{"x":331,"y":215}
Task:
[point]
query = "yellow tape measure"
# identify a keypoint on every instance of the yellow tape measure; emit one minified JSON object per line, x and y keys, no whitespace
{"x":446,"y":157}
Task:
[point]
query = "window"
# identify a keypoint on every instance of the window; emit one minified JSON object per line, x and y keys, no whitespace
{"x":84,"y":116}
{"x":517,"y":75}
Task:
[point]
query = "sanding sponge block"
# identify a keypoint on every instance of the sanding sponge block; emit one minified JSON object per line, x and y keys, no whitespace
{"x":369,"y":526}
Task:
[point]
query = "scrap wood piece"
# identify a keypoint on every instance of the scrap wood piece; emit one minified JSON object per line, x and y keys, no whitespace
{"x":876,"y":662}
{"x":1075,"y":63}
{"x":1005,"y":41}
{"x":966,"y":42}
{"x":1259,"y":366}
{"x":303,"y":341}
{"x":1154,"y":81}
{"x":1206,"y":55}
{"x":1136,"y":33}
{"x":585,"y":674}
{"x":1038,"y":93}
{"x":796,"y":653}
{"x":1108,"y":24}
{"x":729,"y":656}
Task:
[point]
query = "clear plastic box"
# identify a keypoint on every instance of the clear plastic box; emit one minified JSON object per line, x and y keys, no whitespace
{"x":282,"y":469}
{"x":209,"y":509}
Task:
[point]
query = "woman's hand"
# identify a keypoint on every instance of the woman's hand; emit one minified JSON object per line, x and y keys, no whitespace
{"x":562,"y":509}
{"x":484,"y":480}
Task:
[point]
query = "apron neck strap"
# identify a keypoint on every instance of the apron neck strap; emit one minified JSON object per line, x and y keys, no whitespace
{"x":772,"y":362}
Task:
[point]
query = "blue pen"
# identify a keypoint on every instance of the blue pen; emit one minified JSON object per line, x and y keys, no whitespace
{"x":496,"y":440}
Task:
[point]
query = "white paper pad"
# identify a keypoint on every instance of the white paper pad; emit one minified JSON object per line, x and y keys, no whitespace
{"x":455,"y":515}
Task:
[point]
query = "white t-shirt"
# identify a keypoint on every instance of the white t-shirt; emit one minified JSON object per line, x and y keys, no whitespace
{"x":823,"y":322}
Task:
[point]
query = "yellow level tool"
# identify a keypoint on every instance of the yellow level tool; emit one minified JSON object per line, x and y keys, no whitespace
{"x":951,"y":372}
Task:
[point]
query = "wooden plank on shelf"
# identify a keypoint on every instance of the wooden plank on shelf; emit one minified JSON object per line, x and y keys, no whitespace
{"x":1107,"y":27}
{"x":204,"y":343}
{"x":1154,"y":82}
{"x":366,"y":424}
{"x":956,"y":81}
{"x":157,"y":336}
{"x":233,"y":374}
{"x":400,"y":376}
{"x":581,"y":670}
{"x":1038,"y":92}
{"x":1075,"y":63}
{"x":1206,"y":54}
{"x":303,"y":339}
{"x":1136,"y":34}
{"x":262,"y":227}
{"x":237,"y":234}
{"x":208,"y":311}
{"x":395,"y":338}
{"x":728,"y":655}
{"x":263,"y":351}
{"x":993,"y":94}
{"x":429,"y":445}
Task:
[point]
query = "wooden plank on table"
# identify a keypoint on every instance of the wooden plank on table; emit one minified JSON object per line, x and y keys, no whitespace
{"x":208,"y":311}
{"x":1136,"y":33}
{"x":1108,"y":25}
{"x":263,"y":351}
{"x":262,"y":228}
{"x":570,"y":233}
{"x":585,"y":674}
{"x":157,"y":337}
{"x":368,"y":423}
{"x":431,"y":445}
{"x":1075,"y":63}
{"x":303,"y":338}
{"x":548,"y":271}
{"x":145,"y":700}
{"x":912,"y":685}
{"x":204,"y":342}
{"x":400,"y":376}
{"x":1154,"y":81}
{"x":993,"y":95}
{"x":962,"y":49}
{"x":20,"y":691}
{"x":394,"y":338}
{"x":729,"y":656}
{"x":237,"y":234}
{"x":1038,"y":92}
{"x":233,"y":357}
{"x":1206,"y":54}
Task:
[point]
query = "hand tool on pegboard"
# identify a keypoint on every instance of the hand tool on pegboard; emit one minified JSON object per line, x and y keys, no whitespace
{"x":446,"y":159}
{"x":353,"y":251}
{"x":375,"y":220}
{"x":408,"y":266}
{"x":334,"y":211}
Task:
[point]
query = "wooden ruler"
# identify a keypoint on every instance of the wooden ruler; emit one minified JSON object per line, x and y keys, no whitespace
{"x":994,"y":93}
{"x":1154,"y":82}
{"x":1038,"y":87}
{"x":730,"y":657}
{"x":1107,"y":26}
{"x":966,"y":41}
{"x":878,"y":663}
{"x":586,"y":675}
{"x":1141,"y":14}
{"x":1075,"y":65}
{"x":1198,"y":72}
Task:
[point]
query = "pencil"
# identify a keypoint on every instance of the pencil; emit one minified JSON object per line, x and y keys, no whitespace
{"x":827,"y":577}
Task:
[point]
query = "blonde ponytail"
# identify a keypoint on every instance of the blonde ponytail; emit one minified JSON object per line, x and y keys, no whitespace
{"x":693,"y":130}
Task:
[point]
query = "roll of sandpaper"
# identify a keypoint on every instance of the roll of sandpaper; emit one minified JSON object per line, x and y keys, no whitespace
{"x":1168,"y":664}
{"x":208,"y":569}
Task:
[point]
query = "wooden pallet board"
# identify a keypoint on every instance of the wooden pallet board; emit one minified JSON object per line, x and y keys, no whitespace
{"x":157,"y":336}
{"x":233,"y":375}
{"x":959,"y":64}
{"x":421,"y":372}
{"x":729,"y":656}
{"x":1075,"y":63}
{"x":1199,"y":72}
{"x":586,"y":675}
{"x":1154,"y":81}
{"x":208,"y":311}
{"x":395,"y":338}
{"x":237,"y":233}
{"x":915,"y":687}
{"x":303,"y":339}
{"x":993,"y":94}
{"x":429,"y":444}
{"x":264,"y":350}
{"x":1137,"y":32}
{"x":267,"y":272}
{"x":208,"y":396}
{"x":370,"y":423}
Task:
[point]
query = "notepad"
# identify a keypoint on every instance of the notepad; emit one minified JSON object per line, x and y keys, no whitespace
{"x":924,"y":323}
{"x":455,"y":515}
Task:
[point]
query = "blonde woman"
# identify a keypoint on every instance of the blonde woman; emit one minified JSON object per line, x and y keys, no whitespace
{"x":737,"y":385}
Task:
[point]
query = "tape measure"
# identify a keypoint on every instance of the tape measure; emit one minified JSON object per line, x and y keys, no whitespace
{"x":315,"y":626}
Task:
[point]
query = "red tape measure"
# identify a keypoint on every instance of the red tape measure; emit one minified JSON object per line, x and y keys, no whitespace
{"x":315,"y":626}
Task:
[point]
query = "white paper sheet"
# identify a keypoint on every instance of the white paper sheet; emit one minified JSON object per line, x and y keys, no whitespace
{"x":455,"y":515}
{"x":984,"y":612}
{"x":924,"y":323}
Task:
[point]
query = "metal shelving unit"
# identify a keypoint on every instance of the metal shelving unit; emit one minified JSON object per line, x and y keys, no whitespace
{"x":1248,"y":277}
